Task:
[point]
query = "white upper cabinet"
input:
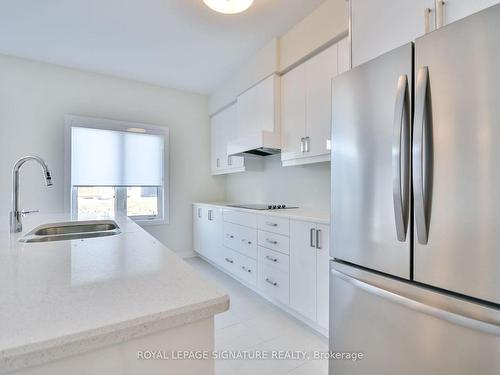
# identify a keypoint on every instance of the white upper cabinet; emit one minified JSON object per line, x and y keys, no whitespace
{"x":344,"y":55}
{"x":258,"y":125}
{"x":457,"y":9}
{"x":293,"y":113}
{"x":223,"y":128}
{"x":382,"y":25}
{"x":319,"y":73}
{"x":306,"y":108}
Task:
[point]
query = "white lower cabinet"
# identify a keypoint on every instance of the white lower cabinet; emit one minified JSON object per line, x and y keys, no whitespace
{"x":309,"y":270}
{"x":207,"y":231}
{"x":285,"y":260}
{"x":274,"y":283}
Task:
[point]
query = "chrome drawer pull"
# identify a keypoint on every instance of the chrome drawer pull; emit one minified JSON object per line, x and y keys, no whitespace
{"x":248,"y":242}
{"x":229,"y":235}
{"x":273,"y":283}
{"x":271,"y":241}
{"x":229,"y":260}
{"x":246,"y":269}
{"x":271,"y":224}
{"x":271,"y":259}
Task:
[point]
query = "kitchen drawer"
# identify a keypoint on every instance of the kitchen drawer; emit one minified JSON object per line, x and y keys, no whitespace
{"x":239,"y":217}
{"x":274,"y":259}
{"x":274,"y":283}
{"x":241,"y":239}
{"x":274,"y":241}
{"x":274,"y":224}
{"x":247,"y":269}
{"x":228,"y":260}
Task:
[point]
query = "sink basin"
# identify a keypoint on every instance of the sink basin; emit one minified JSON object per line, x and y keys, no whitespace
{"x":72,"y":230}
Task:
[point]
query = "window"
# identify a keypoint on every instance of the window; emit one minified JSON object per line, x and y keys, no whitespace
{"x":117,"y":168}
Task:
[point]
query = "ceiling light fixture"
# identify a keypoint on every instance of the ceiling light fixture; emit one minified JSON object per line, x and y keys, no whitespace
{"x":228,"y":6}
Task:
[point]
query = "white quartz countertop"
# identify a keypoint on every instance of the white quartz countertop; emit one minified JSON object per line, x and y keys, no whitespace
{"x":63,"y":298}
{"x":305,"y":214}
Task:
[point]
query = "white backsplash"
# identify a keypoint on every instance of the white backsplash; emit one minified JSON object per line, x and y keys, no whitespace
{"x":307,"y":186}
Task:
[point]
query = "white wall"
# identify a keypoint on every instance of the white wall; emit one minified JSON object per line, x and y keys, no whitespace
{"x":307,"y":186}
{"x":33,"y":100}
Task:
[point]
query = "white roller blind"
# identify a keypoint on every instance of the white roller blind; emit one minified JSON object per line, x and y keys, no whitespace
{"x":115,"y":158}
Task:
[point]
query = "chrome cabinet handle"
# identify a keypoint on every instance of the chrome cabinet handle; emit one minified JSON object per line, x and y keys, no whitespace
{"x":271,"y":241}
{"x":210,"y":215}
{"x":218,"y":162}
{"x":439,"y":13}
{"x":229,"y":160}
{"x":427,"y":20}
{"x":400,"y":158}
{"x":246,"y":241}
{"x":268,"y":223}
{"x":419,"y":159}
{"x":318,"y":237}
{"x":312,"y":237}
{"x":26,"y":212}
{"x":307,"y":141}
{"x":229,"y":235}
{"x":271,"y":259}
{"x":273,"y":283}
{"x":229,"y":260}
{"x":199,"y":213}
{"x":246,"y":269}
{"x":302,"y":146}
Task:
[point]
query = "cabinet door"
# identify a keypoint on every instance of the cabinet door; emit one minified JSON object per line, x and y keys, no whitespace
{"x":293,"y":113}
{"x":303,"y":268}
{"x":322,"y":274}
{"x":344,"y":56}
{"x":216,"y":130}
{"x":198,"y":229}
{"x":213,"y":233}
{"x":230,"y":133}
{"x":457,"y":9}
{"x":319,"y":73}
{"x":382,"y":25}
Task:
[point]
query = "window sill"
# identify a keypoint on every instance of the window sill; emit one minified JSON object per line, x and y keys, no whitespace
{"x":146,"y":222}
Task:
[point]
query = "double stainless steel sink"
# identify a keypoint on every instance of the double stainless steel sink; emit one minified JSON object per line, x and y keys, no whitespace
{"x":72,"y":230}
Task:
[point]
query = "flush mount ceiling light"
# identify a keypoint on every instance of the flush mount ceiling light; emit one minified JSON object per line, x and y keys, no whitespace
{"x":228,"y":6}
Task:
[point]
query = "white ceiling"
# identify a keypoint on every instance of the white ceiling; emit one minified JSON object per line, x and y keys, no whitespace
{"x":173,"y":43}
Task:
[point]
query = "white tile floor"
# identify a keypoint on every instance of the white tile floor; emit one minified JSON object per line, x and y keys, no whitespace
{"x":254,"y":324}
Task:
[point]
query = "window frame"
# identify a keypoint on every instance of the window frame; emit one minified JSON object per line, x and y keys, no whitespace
{"x":71,"y":192}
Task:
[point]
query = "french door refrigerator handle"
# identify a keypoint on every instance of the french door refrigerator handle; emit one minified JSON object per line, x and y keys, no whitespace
{"x":418,"y":154}
{"x":490,"y":328}
{"x":400,"y":158}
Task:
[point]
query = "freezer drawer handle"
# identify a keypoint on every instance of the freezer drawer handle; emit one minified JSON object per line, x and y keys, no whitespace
{"x":401,"y":159}
{"x":421,"y":156}
{"x":490,"y":328}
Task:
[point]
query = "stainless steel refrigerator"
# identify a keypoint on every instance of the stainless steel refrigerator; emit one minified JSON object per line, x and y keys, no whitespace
{"x":415,"y":276}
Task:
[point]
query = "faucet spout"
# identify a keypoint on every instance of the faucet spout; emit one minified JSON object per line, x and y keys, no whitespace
{"x":16,"y":214}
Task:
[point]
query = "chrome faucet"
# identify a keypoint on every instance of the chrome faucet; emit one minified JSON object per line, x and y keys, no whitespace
{"x":16,"y":223}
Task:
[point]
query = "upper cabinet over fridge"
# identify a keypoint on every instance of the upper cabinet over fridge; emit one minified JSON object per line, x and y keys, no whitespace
{"x":382,"y":25}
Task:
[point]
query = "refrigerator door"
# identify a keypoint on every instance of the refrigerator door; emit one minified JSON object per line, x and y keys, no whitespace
{"x":404,"y":329}
{"x":456,"y":157}
{"x":371,"y":111}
